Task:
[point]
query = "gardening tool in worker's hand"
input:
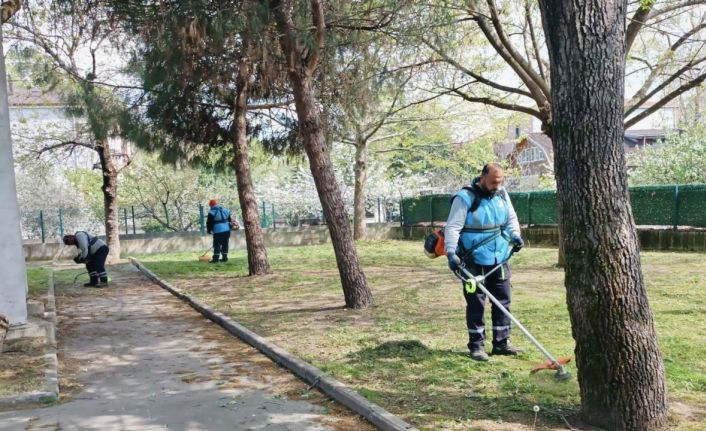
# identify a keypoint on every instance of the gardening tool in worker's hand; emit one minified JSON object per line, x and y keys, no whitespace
{"x":203,"y":257}
{"x":78,"y":275}
{"x":562,"y":360}
{"x":477,"y":280}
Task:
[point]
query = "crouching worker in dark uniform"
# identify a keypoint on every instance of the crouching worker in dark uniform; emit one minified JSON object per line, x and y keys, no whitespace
{"x":218,"y":223}
{"x":93,"y":252}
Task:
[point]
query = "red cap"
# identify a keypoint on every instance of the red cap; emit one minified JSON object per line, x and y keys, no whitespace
{"x":212,"y":203}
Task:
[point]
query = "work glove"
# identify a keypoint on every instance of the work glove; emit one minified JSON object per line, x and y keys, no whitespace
{"x":78,"y":259}
{"x":517,"y":244}
{"x":454,"y":261}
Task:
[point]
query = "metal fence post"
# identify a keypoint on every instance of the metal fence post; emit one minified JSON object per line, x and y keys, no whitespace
{"x":431,"y":210}
{"x":274,"y":223}
{"x":263,"y":221}
{"x":127,"y":232}
{"x":401,"y":215}
{"x":132,"y":209}
{"x":675,"y":208}
{"x":379,"y":211}
{"x":61,"y":224}
{"x":41,"y":223}
{"x":529,"y":209}
{"x":201,"y":223}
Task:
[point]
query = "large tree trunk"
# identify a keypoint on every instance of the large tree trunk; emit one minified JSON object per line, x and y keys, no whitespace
{"x":620,"y":369}
{"x":257,"y":254}
{"x":110,"y":201}
{"x":301,"y":64}
{"x":355,"y":288}
{"x":361,"y":175}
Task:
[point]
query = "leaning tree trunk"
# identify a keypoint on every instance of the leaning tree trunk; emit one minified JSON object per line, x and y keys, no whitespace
{"x":110,"y":201}
{"x":361,"y":175}
{"x":620,"y":369}
{"x":301,"y":65}
{"x":355,"y":288}
{"x":257,"y":254}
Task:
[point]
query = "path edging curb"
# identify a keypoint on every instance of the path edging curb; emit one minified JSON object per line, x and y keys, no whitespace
{"x":373,"y":413}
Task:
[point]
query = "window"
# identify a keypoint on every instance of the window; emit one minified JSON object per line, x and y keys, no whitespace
{"x":530,"y":155}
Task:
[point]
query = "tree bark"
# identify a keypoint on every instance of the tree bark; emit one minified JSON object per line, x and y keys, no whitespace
{"x":110,"y":201}
{"x":620,"y":368}
{"x":361,"y":178}
{"x":301,"y":64}
{"x":257,"y":253}
{"x":9,"y":8}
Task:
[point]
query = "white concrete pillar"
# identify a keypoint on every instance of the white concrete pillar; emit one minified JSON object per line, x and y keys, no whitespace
{"x":13,"y":272}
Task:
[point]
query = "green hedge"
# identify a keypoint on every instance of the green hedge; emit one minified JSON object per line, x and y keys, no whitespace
{"x":665,"y":205}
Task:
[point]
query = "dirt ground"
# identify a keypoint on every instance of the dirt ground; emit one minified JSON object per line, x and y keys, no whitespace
{"x":133,"y":357}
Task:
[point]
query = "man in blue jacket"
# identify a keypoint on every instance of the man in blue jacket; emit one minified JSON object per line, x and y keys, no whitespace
{"x":218,"y":224}
{"x":481,"y":228}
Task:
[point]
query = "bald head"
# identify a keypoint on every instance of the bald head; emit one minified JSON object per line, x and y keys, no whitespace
{"x":491,"y":177}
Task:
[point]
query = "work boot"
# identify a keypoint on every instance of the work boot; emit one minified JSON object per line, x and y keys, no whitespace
{"x":92,"y":283}
{"x":214,"y":260}
{"x":479,"y":355}
{"x":506,"y":350}
{"x":224,"y":258}
{"x":104,"y":280}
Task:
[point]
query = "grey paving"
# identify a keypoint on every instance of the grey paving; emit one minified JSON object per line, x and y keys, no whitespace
{"x":146,"y":362}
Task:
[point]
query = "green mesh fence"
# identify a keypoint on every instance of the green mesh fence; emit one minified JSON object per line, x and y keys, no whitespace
{"x":652,"y":205}
{"x":667,"y":205}
{"x":691,"y":205}
{"x":425,"y":209}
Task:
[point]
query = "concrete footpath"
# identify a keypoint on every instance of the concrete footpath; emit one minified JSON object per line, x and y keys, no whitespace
{"x":134,"y":357}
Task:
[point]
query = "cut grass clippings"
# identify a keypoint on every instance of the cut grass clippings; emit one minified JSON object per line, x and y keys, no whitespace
{"x":22,"y":361}
{"x":408,"y":353}
{"x":22,"y":367}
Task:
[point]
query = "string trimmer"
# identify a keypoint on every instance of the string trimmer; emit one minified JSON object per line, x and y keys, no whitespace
{"x":203,"y":257}
{"x":78,"y":275}
{"x":552,"y":364}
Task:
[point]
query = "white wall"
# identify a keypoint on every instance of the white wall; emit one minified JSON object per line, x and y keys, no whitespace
{"x":13,"y":282}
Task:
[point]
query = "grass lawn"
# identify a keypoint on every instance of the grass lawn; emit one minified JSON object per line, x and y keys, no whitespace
{"x":37,"y":281}
{"x":408,"y":352}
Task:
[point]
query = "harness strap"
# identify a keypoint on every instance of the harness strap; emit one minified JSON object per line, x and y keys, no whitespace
{"x":91,"y":241}
{"x":223,"y":218}
{"x":480,"y":229}
{"x":496,"y":233}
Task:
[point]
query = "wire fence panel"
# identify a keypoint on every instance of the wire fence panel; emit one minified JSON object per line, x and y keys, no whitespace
{"x":48,"y":225}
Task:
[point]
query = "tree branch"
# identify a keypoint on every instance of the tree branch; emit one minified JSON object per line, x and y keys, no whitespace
{"x":518,"y":61}
{"x":498,"y":104}
{"x":665,"y":59}
{"x":637,"y":103}
{"x":666,"y":99}
{"x":533,"y":36}
{"x":317,"y":10}
{"x":472,"y":74}
{"x":636,"y":23}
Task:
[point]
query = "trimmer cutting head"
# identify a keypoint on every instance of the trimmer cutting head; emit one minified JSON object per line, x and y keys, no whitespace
{"x":561,"y":373}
